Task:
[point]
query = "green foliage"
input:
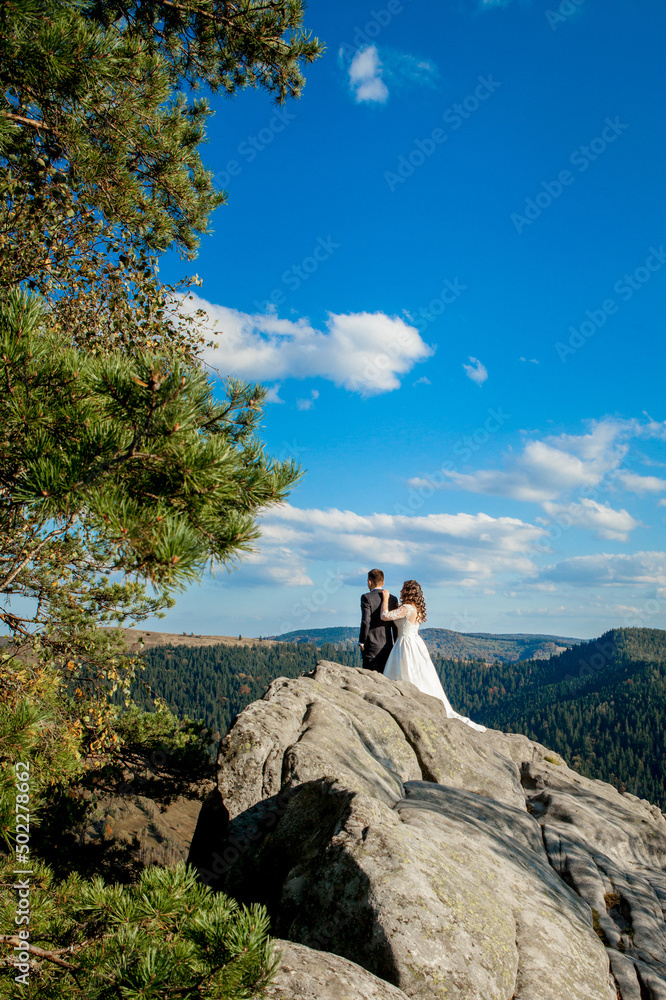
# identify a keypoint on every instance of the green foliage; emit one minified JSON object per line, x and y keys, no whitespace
{"x":35,"y":727}
{"x":117,"y":304}
{"x":79,"y":750}
{"x":601,"y":705}
{"x":226,"y":46}
{"x":117,"y":463}
{"x":158,"y":755}
{"x":215,"y":683}
{"x":166,"y":936}
{"x":122,"y":478}
{"x":97,"y":136}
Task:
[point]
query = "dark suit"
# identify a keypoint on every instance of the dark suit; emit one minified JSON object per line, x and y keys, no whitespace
{"x":376,"y":636}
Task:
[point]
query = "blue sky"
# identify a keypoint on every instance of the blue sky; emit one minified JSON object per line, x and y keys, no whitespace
{"x":447,"y":261}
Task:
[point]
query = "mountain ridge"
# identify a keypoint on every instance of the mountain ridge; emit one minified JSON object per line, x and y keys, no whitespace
{"x":507,"y":648}
{"x":489,"y":646}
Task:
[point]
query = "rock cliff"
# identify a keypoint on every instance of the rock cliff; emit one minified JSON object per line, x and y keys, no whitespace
{"x":401,"y":853}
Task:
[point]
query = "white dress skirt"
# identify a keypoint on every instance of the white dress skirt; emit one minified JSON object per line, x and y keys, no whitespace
{"x":409,"y":660}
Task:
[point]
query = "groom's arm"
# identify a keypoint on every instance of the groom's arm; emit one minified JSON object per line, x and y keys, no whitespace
{"x":365,"y":618}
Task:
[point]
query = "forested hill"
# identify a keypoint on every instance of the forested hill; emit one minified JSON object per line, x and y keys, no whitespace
{"x":216,"y":682}
{"x":455,"y":645}
{"x":601,"y":704}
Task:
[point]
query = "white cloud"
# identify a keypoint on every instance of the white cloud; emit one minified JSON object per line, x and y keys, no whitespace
{"x":365,"y":77}
{"x":650,"y":429}
{"x":647,"y":460}
{"x":370,"y":75}
{"x":641,"y":484}
{"x":439,"y":548}
{"x":307,"y":404}
{"x":422,"y":381}
{"x":532,"y":361}
{"x":600,"y":518}
{"x":402,"y":68}
{"x":543,"y":472}
{"x":273,"y":394}
{"x":476,"y":371}
{"x":363,"y":352}
{"x":279,"y":564}
{"x":548,"y":468}
{"x":645,"y":569}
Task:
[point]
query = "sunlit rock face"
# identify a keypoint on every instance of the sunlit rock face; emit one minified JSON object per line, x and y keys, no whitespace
{"x":444,"y":862}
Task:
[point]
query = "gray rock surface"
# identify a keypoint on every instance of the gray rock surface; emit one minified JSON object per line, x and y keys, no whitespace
{"x":305,"y":974}
{"x":449,"y":863}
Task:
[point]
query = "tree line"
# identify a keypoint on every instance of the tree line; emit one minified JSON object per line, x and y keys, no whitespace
{"x":601,"y":705}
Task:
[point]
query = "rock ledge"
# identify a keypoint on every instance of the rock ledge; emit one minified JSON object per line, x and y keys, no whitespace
{"x":443,"y":862}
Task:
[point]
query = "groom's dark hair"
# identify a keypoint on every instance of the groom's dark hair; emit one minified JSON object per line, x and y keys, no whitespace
{"x":376,"y":577}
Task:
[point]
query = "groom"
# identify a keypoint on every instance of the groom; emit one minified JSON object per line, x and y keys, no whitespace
{"x":376,"y":637}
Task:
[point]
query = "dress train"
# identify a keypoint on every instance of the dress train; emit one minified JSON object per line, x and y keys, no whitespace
{"x":409,"y":660}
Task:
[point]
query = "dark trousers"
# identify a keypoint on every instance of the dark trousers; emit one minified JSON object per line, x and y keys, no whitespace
{"x":376,"y":659}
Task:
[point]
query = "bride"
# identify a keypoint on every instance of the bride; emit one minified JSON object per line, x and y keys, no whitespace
{"x":409,"y":660}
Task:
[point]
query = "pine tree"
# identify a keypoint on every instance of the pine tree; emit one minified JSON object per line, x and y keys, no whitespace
{"x":167,"y":936}
{"x":98,"y":141}
{"x":122,"y":477}
{"x":116,"y":464}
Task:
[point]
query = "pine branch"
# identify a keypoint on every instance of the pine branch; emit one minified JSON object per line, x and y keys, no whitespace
{"x":50,"y":956}
{"x":11,"y":576}
{"x":33,"y":123}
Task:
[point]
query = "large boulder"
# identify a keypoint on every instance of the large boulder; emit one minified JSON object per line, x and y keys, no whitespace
{"x":305,"y":974}
{"x":446,"y":862}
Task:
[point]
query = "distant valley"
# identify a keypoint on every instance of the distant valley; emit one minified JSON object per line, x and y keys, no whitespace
{"x":454,"y":645}
{"x":601,"y":704}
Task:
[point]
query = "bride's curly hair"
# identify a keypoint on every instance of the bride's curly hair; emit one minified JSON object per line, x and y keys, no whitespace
{"x":411,"y":593}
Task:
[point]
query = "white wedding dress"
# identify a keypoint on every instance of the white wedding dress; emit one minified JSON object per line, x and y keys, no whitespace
{"x":409,"y":660}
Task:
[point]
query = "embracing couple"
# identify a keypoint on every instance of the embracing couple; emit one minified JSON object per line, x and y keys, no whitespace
{"x":390,"y":640}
